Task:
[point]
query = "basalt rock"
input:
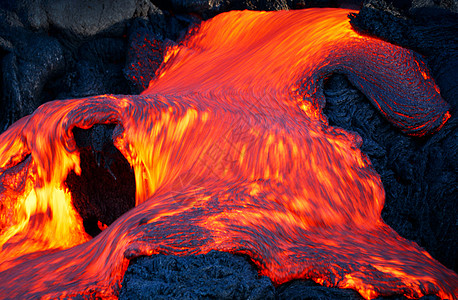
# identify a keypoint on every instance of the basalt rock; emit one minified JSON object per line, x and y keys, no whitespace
{"x":216,"y":275}
{"x":148,"y":40}
{"x":417,"y":174}
{"x":100,"y":202}
{"x":429,"y":30}
{"x":29,"y":61}
{"x":81,"y":18}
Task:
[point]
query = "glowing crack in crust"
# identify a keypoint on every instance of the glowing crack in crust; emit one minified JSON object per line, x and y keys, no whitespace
{"x":231,"y":152}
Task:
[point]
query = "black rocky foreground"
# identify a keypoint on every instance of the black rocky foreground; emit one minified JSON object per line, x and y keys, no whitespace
{"x":47,"y":54}
{"x":218,"y":275}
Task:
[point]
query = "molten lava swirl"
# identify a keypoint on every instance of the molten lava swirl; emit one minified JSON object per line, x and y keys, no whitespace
{"x":231,"y":152}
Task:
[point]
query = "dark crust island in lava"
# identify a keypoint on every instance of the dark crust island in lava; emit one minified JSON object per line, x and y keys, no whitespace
{"x":293,"y":193}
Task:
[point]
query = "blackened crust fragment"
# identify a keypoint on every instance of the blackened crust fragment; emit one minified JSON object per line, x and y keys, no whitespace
{"x":106,"y":188}
{"x":431,"y":31}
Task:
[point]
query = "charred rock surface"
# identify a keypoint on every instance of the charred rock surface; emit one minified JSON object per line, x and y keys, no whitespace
{"x":79,"y":18}
{"x":309,"y":290}
{"x":106,"y":187}
{"x":48,"y":52}
{"x":417,"y":174}
{"x":209,"y":8}
{"x":427,"y":29}
{"x":217,"y":275}
{"x":28,"y":61}
{"x":148,"y":39}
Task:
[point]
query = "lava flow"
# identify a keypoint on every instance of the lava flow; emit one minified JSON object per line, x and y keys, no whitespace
{"x":231,"y":152}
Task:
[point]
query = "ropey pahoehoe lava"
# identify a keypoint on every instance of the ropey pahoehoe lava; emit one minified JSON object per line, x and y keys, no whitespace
{"x":234,"y":116}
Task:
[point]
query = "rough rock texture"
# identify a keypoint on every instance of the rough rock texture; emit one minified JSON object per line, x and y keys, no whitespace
{"x":309,"y":290}
{"x":431,"y":31}
{"x":419,"y":175}
{"x":137,"y":61}
{"x":41,"y":61}
{"x":148,"y":40}
{"x":28,"y":61}
{"x":209,"y":8}
{"x":217,"y":275}
{"x":113,"y":193}
{"x":80,"y":18}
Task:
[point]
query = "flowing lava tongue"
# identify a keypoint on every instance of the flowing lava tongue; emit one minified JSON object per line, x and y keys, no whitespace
{"x":230,"y":152}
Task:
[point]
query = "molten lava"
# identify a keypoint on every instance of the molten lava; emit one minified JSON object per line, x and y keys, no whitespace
{"x":231,"y":152}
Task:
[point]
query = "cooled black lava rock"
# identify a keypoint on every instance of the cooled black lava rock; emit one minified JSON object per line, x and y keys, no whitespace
{"x":29,"y":60}
{"x":140,"y":68}
{"x":98,"y":68}
{"x":106,"y":187}
{"x":309,"y":290}
{"x":429,"y":30}
{"x":79,"y":18}
{"x":148,"y":40}
{"x":217,"y":275}
{"x":210,"y":8}
{"x":418,"y":174}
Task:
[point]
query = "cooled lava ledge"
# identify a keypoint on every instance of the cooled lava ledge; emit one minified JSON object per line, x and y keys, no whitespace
{"x":231,"y":152}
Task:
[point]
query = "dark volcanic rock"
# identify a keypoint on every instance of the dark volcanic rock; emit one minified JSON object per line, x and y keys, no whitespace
{"x":217,"y":275}
{"x":98,"y":68}
{"x":418,"y":174}
{"x":80,"y":18}
{"x":148,"y":40}
{"x":106,"y":187}
{"x":210,"y":8}
{"x":140,"y":67}
{"x":30,"y":60}
{"x":429,"y":30}
{"x":309,"y":290}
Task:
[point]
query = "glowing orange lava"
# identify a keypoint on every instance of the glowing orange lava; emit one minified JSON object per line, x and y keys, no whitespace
{"x":231,"y":152}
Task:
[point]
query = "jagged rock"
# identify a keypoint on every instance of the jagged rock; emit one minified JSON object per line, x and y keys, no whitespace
{"x":31,"y":60}
{"x":309,"y":290}
{"x":81,"y":18}
{"x":417,"y":174}
{"x":106,"y":187}
{"x":429,"y":30}
{"x":216,"y":275}
{"x":446,"y":4}
{"x":140,"y":67}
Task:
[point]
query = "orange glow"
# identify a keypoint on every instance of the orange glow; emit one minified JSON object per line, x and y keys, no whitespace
{"x":231,"y":152}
